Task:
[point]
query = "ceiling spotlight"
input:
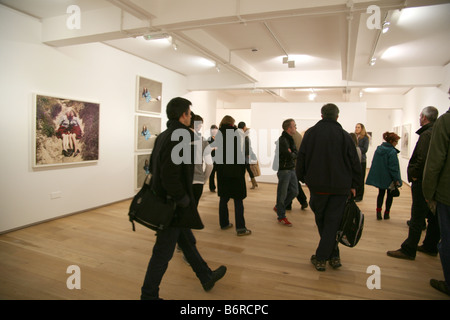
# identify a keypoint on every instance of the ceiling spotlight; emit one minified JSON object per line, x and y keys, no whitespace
{"x":285,"y":59}
{"x":386,"y":26}
{"x":156,"y":36}
{"x":291,"y":64}
{"x":373,"y":61}
{"x":312,"y":96}
{"x":174,"y":45}
{"x":217,"y":68}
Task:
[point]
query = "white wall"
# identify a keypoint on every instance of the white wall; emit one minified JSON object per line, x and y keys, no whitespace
{"x":415,"y":101}
{"x":267,"y":118}
{"x":91,"y":72}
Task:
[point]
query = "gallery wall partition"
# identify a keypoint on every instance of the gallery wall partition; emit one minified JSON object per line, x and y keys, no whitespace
{"x":266,"y":126}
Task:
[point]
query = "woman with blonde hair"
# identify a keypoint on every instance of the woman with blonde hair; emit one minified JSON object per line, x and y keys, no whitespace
{"x":385,"y":171}
{"x":363,"y":144}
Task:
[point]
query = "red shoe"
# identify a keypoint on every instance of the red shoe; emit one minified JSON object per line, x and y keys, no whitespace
{"x":285,"y":222}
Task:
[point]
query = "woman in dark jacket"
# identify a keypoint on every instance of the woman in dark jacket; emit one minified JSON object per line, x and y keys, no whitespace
{"x":363,"y":144}
{"x":230,"y":162}
{"x":384,"y":171}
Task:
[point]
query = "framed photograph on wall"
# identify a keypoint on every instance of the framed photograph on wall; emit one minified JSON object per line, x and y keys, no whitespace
{"x":65,"y":131}
{"x":146,"y":130}
{"x":148,"y":95}
{"x":142,"y":167}
{"x":405,"y":139}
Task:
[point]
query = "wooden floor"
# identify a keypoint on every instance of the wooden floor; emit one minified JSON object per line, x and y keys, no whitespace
{"x":271,"y":264}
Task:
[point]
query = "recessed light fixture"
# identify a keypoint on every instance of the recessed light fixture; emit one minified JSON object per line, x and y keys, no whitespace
{"x":386,"y":25}
{"x":156,"y":36}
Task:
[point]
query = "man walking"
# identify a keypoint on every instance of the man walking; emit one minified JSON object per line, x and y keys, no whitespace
{"x":329,"y":165}
{"x":285,"y":156}
{"x":175,"y":180}
{"x":419,"y":209}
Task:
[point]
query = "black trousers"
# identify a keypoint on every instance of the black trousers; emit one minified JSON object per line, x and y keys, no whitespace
{"x":162,"y":253}
{"x":212,"y":183}
{"x":328,"y":210}
{"x":238,"y":213}
{"x":419,"y":212}
{"x":360,"y":188}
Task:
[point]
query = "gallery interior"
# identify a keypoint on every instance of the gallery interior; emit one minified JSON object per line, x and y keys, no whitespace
{"x":260,"y":61}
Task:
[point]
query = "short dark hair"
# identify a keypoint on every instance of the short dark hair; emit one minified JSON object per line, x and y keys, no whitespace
{"x":330,"y":111}
{"x":286,"y":124}
{"x":177,"y":107}
{"x":241,"y":125}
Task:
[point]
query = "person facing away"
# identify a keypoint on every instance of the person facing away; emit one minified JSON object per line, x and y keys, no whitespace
{"x":436,"y":186}
{"x":284,"y":163}
{"x":249,"y":154}
{"x":363,"y":144}
{"x":330,"y":167}
{"x":385,"y":172}
{"x":175,"y":180}
{"x":230,"y":162}
{"x":301,"y":197}
{"x":211,"y":139}
{"x":203,"y":160}
{"x":419,"y":209}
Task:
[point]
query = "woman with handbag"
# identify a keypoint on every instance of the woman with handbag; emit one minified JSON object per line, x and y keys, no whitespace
{"x":385,"y":173}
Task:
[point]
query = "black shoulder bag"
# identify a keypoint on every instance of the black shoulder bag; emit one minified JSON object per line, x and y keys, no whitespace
{"x":151,"y":210}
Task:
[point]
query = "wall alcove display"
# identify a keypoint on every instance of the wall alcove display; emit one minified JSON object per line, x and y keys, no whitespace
{"x":146,"y":130}
{"x":405,"y":139}
{"x":148,"y":95}
{"x":65,"y":131}
{"x":142,"y":169}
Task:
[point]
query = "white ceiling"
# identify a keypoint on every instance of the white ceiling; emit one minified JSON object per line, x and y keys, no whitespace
{"x":329,"y":40}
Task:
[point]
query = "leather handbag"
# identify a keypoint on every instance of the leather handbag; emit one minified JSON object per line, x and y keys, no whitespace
{"x":254,"y":167}
{"x":393,"y":189}
{"x":151,"y":210}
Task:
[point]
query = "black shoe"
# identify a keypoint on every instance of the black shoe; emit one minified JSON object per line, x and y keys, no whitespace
{"x":430,"y":253}
{"x":216,"y":276}
{"x":399,"y":254}
{"x":440,"y":285}
{"x":379,"y":216}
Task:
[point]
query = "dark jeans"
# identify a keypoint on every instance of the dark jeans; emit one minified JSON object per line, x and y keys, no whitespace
{"x":287,"y":190}
{"x":380,"y":198}
{"x":163,"y":252}
{"x":420,"y":211}
{"x":212,"y":182}
{"x":238,"y":213}
{"x":360,"y":189}
{"x":301,"y":197}
{"x":443,"y":213}
{"x":328,"y":210}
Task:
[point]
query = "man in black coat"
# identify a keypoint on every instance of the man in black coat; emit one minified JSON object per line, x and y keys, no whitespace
{"x":172,"y":169}
{"x":329,"y":165}
{"x":419,"y":208}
